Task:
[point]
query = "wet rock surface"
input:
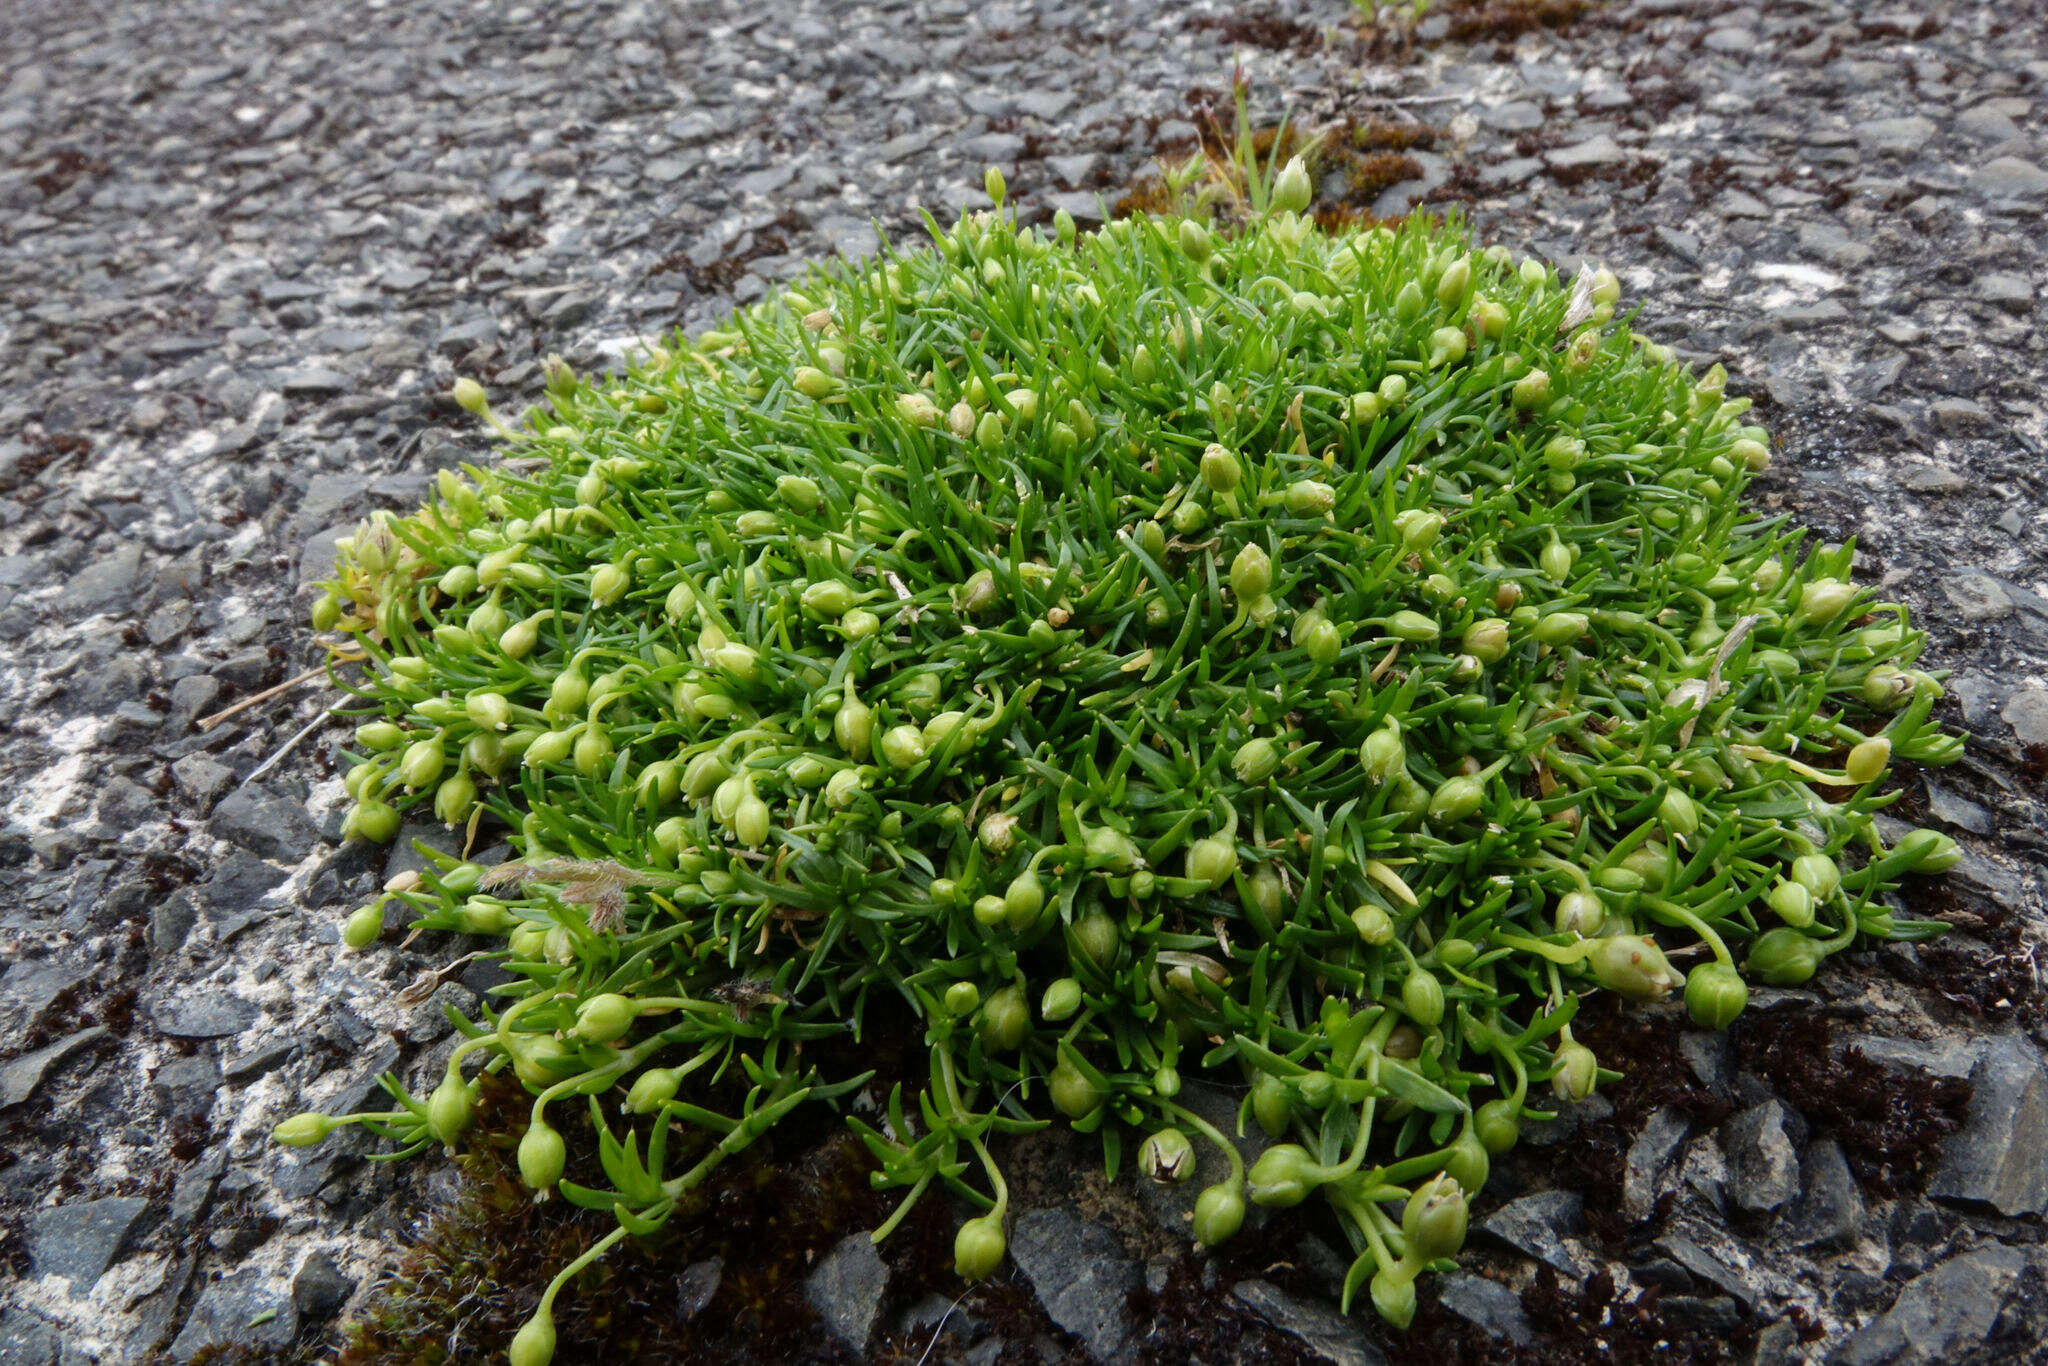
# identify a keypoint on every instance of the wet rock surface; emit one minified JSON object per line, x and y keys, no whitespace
{"x":249,"y":249}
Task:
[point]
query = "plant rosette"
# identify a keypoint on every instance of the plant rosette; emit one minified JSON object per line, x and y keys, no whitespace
{"x":1310,"y":659}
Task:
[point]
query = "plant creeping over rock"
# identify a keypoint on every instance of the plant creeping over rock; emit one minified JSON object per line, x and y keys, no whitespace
{"x":1311,"y":660}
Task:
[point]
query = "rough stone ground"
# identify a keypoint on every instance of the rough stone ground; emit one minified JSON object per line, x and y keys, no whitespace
{"x":247,"y":247}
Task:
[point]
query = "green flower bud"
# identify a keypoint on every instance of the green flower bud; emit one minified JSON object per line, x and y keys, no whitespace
{"x":961,"y":998}
{"x":542,"y":1155}
{"x":1373,"y":924}
{"x":903,"y":746}
{"x":1167,"y":1156}
{"x":652,"y":1089}
{"x":1422,"y":996}
{"x":1558,"y":629}
{"x":1291,"y":189}
{"x":455,"y":799}
{"x":449,"y":1108}
{"x":1434,"y":1220}
{"x":1219,"y":1214}
{"x":592,"y":752}
{"x":978,"y":1247}
{"x":1418,"y":529}
{"x":1486,"y":640}
{"x":1315,"y":634}
{"x":1074,"y":1094}
{"x":422,"y":764}
{"x":1555,"y":561}
{"x":470,"y":397}
{"x":1310,"y":498}
{"x":1818,"y":874}
{"x":1468,"y":1163}
{"x":1580,"y":913}
{"x":1822,"y":600}
{"x":364,"y":926}
{"x":1531,"y":390}
{"x":992,"y":182}
{"x":799,"y":493}
{"x":1564,"y":452}
{"x":1411,"y":626}
{"x":1022,"y":900}
{"x":1867,"y":761}
{"x":1714,"y":995}
{"x":1393,"y":1295}
{"x":1194,"y":241}
{"x":1489,"y":318}
{"x":1251,"y":572}
{"x":304,"y":1130}
{"x":1409,"y":303}
{"x":1498,"y":1123}
{"x":1212,"y":860}
{"x":917,"y":409}
{"x":1382,"y":754}
{"x":1577,"y":1072}
{"x":1887,"y":689}
{"x":1454,"y":283}
{"x":812,"y":382}
{"x":1060,"y":1001}
{"x":1282,"y":1177}
{"x":1256,"y":760}
{"x":1934,"y":851}
{"x":1633,"y":965}
{"x":534,"y":1343}
{"x":751,"y":820}
{"x":371,"y":820}
{"x":1098,"y":939}
{"x":608,"y":583}
{"x":1456,"y":799}
{"x":604,"y":1018}
{"x":1272,"y":1104}
{"x":1783,"y":957}
{"x":1447,"y":346}
{"x":1005,"y":1019}
{"x":1679,"y":813}
{"x":1792,"y":903}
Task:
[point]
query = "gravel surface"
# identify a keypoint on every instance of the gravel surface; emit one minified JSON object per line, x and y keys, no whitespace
{"x":247,"y":247}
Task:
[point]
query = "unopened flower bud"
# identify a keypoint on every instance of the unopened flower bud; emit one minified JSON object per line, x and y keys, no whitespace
{"x":1887,"y":689}
{"x":534,"y":1343}
{"x":1560,"y":628}
{"x":1580,"y":913}
{"x":1060,"y":1001}
{"x":470,"y":397}
{"x":652,"y":1089}
{"x":1531,"y":390}
{"x":1291,"y":189}
{"x":304,"y":1130}
{"x":1373,"y":924}
{"x":1251,"y":572}
{"x":1633,"y":965}
{"x":1486,"y":640}
{"x":1282,"y":1177}
{"x":1867,"y":761}
{"x":1447,"y":346}
{"x":1422,"y":996}
{"x":1434,"y":1220}
{"x":1454,"y":800}
{"x":1714,"y":995}
{"x":1577,"y":1072}
{"x":1783,"y":957}
{"x":978,"y":1247}
{"x":1310,"y":498}
{"x":604,"y":1018}
{"x":1194,"y":241}
{"x":1933,"y":851}
{"x":1255,"y":761}
{"x":1382,"y":754}
{"x":1418,"y":529}
{"x":1219,"y":1214}
{"x":1822,"y":600}
{"x":992,"y":181}
{"x":542,"y":1155}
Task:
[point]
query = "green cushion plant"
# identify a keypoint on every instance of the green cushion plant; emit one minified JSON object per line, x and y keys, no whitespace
{"x":1312,"y":660}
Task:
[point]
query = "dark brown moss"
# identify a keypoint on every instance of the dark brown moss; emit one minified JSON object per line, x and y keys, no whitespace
{"x":1474,"y":21}
{"x":1890,"y":1124}
{"x":1262,"y":28}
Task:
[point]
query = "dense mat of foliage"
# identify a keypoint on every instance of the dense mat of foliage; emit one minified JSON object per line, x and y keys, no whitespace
{"x":1311,"y":660}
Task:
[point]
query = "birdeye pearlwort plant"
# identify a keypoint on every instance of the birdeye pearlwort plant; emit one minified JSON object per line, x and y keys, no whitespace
{"x":1313,"y":661}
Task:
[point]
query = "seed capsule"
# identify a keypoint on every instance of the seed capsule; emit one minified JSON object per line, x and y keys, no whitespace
{"x":1783,"y":957}
{"x":1255,"y":761}
{"x":1714,"y":995}
{"x":542,"y":1155}
{"x":1251,"y":572}
{"x":304,"y":1130}
{"x":1219,"y":1213}
{"x":1634,"y":966}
